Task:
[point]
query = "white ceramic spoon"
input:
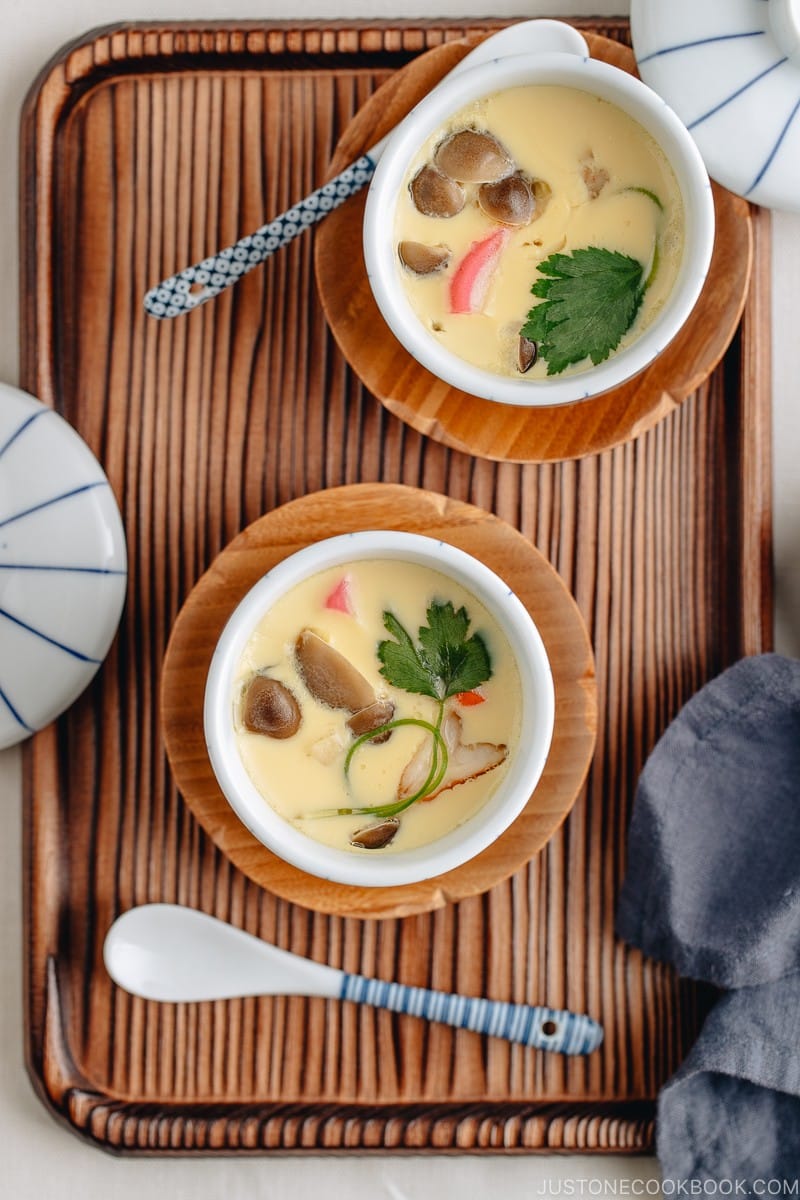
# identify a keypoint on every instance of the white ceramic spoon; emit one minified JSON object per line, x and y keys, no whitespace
{"x":166,"y":952}
{"x":205,"y":280}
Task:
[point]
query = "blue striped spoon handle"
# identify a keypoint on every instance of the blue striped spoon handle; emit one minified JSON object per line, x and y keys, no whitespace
{"x":205,"y":280}
{"x":531,"y":1025}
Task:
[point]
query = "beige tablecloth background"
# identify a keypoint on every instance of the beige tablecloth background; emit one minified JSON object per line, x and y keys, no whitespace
{"x":42,"y":1160}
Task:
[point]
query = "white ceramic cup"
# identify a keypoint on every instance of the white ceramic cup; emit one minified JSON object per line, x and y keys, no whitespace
{"x":571,"y":69}
{"x":502,"y":807}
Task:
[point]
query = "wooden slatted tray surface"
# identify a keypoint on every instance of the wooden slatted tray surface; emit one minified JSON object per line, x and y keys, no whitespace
{"x":145,"y":148}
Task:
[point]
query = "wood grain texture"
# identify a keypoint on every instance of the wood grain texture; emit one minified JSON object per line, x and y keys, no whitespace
{"x":344,"y":510}
{"x":502,"y":431}
{"x":207,"y":423}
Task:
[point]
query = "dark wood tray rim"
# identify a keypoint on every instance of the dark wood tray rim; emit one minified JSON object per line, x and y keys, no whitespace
{"x":418,"y":1128}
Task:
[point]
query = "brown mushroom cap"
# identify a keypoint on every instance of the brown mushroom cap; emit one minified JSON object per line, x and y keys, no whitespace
{"x":372,"y":717}
{"x":434,"y":194}
{"x":329,"y":676}
{"x":527,"y":353}
{"x":508,"y":200}
{"x":269,"y":707}
{"x":375,"y":837}
{"x":422,"y":259}
{"x":473,"y":156}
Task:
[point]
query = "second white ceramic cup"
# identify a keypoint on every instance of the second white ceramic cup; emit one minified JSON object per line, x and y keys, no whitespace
{"x":453,"y":93}
{"x":537,"y":713}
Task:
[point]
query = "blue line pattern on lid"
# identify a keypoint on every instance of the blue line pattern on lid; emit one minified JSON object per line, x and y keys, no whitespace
{"x":737,"y":93}
{"x":14,"y":712}
{"x":707,"y":41}
{"x":532,"y":1025}
{"x":46,"y":638}
{"x":774,"y":150}
{"x":26,"y":512}
{"x":58,"y":567}
{"x":21,"y":429}
{"x":73,"y":582}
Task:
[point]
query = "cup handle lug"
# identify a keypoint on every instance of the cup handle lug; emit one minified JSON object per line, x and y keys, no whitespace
{"x":548,"y":37}
{"x":539,"y":36}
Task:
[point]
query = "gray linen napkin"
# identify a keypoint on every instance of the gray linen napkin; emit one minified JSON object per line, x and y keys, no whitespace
{"x":732,"y":1111}
{"x":713,"y":886}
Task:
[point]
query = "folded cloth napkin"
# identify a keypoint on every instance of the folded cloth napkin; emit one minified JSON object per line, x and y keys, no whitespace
{"x":732,"y":1112}
{"x":713,"y":886}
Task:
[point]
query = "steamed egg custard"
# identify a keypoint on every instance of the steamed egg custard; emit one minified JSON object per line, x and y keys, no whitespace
{"x":376,"y":706}
{"x":538,"y":231}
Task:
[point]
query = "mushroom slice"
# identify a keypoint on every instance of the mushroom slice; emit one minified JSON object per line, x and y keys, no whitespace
{"x":473,"y":156}
{"x":375,"y":837}
{"x":465,"y":761}
{"x":527,"y":353}
{"x":422,"y":259}
{"x":435,"y":195}
{"x":329,"y":676}
{"x":508,"y":200}
{"x":594,"y":176}
{"x":269,"y":707}
{"x":374,"y":715}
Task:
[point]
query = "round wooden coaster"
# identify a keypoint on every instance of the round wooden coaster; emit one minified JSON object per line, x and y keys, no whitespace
{"x":481,"y":427}
{"x":342,"y":510}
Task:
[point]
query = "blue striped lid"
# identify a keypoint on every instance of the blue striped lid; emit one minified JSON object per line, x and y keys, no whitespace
{"x":731,"y":71}
{"x":63,"y":565}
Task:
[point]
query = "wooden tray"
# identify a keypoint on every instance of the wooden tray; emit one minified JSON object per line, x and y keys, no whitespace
{"x":503,"y":431}
{"x":208,"y":422}
{"x":311,"y":518}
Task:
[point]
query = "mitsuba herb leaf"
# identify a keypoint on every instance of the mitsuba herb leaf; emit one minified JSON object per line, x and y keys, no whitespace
{"x":459,"y":662}
{"x":401,"y":663}
{"x":445,"y":662}
{"x":590,"y":298}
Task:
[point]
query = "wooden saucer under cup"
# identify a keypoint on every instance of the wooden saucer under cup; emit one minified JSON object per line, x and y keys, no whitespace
{"x":342,"y":510}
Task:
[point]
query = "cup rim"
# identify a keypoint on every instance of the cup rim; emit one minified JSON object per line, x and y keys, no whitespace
{"x":585,"y":74}
{"x":500,"y":809}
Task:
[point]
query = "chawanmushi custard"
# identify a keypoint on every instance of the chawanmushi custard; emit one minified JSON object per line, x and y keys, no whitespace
{"x":539,"y":231}
{"x":376,"y":706}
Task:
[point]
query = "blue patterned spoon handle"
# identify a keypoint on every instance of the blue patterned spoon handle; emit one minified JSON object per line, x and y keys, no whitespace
{"x":205,"y":280}
{"x":542,"y":1028}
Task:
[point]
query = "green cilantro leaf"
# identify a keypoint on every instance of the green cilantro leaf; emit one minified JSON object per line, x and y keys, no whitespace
{"x":446,"y":661}
{"x":590,"y":299}
{"x":459,"y":662}
{"x":401,"y":664}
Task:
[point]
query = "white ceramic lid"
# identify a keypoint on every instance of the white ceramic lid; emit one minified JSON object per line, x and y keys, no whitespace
{"x":63,"y":565}
{"x":731,"y":71}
